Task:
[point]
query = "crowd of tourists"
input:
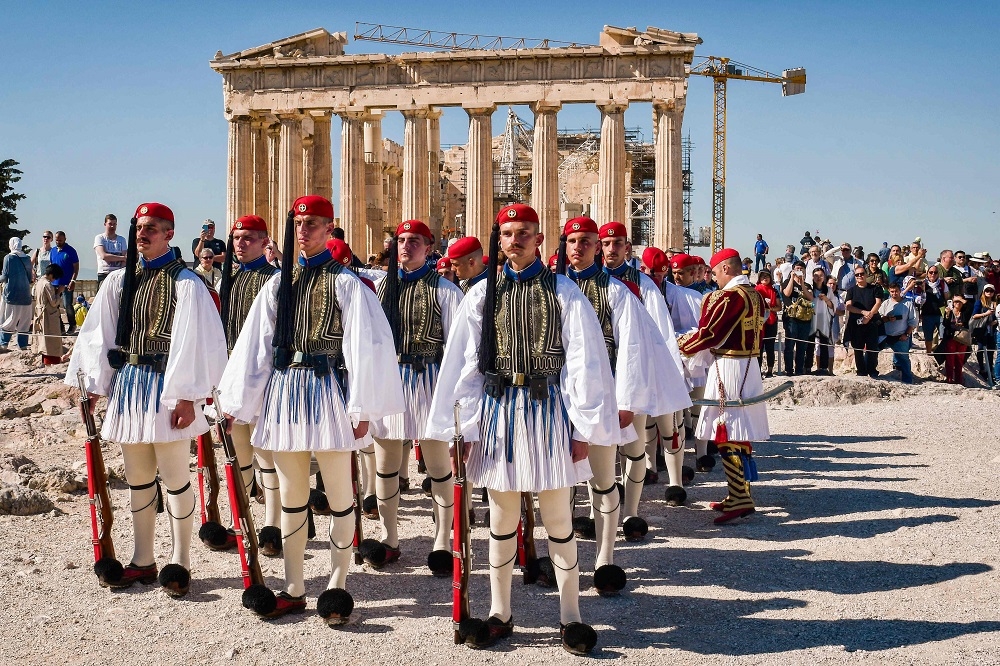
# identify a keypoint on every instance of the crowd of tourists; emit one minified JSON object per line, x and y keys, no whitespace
{"x":899,"y":297}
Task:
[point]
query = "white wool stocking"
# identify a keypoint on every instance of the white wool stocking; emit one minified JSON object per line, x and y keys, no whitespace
{"x":673,"y":447}
{"x":269,"y":482}
{"x":293,"y":480}
{"x":554,"y":507}
{"x":336,"y":469}
{"x":505,"y":513}
{"x":172,"y":459}
{"x":388,"y":455}
{"x":438,"y":463}
{"x":404,"y":459}
{"x":605,"y":501}
{"x":140,"y":474}
{"x":368,"y":470}
{"x":634,"y":454}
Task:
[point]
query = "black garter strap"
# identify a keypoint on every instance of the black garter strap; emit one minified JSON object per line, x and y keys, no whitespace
{"x":641,"y":456}
{"x":243,"y":469}
{"x":146,"y":486}
{"x":386,"y":476}
{"x":503,"y":537}
{"x":268,"y":470}
{"x":566,"y":540}
{"x":143,"y":486}
{"x":298,"y":509}
{"x":604,"y":492}
{"x":179,"y":491}
{"x":442,"y":479}
{"x":340,"y":514}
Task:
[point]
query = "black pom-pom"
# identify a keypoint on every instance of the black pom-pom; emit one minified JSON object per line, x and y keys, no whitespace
{"x":175,"y":580}
{"x":473,"y":632}
{"x":335,"y":606}
{"x":609,"y":580}
{"x":635,"y":528}
{"x":319,"y":503}
{"x":687,"y":475}
{"x":583,"y":527}
{"x":579,"y":638}
{"x":712,"y":449}
{"x":270,"y":536}
{"x":441,"y":563}
{"x":425,"y":485}
{"x":213,"y":535}
{"x":369,"y":505}
{"x":259,"y":599}
{"x":675,"y":495}
{"x":546,"y":573}
{"x":372,"y":551}
{"x":705,"y":463}
{"x":108,"y":571}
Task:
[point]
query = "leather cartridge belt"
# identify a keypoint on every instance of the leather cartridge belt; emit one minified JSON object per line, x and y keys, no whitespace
{"x":418,"y":362}
{"x":539,"y":384}
{"x":119,"y":358}
{"x":322,"y":364}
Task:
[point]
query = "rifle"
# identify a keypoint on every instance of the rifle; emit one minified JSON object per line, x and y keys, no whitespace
{"x":358,"y":531}
{"x":527,"y":557}
{"x":462,"y":550}
{"x":212,"y":533}
{"x":106,"y":567}
{"x":256,"y":596}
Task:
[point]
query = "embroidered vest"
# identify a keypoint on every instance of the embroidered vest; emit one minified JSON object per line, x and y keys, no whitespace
{"x":153,"y":311}
{"x":319,"y":327}
{"x":247,"y":283}
{"x":529,"y":326}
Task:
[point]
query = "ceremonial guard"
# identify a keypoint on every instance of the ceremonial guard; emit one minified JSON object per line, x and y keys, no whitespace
{"x":727,"y":342}
{"x":313,"y":365}
{"x":242,"y":280}
{"x":154,"y":345}
{"x":645,"y":382}
{"x":420,"y":306}
{"x":614,"y":245}
{"x":527,"y":363}
{"x":466,"y":256}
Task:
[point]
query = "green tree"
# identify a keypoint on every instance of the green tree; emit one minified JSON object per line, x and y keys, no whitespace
{"x":9,"y":174}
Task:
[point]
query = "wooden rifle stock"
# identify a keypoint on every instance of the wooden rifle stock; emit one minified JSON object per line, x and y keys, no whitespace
{"x":462,"y":543}
{"x":208,"y":480}
{"x":101,"y":511}
{"x":527,"y":557}
{"x":239,"y":503}
{"x":358,"y":530}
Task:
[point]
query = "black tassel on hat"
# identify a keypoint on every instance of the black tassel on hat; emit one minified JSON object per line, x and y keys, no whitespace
{"x":129,"y":285}
{"x":226,"y":286}
{"x":284,"y":325}
{"x":561,"y":256}
{"x":390,"y":296}
{"x":488,"y":337}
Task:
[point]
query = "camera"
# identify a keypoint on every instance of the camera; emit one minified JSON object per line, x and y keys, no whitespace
{"x":204,"y":227}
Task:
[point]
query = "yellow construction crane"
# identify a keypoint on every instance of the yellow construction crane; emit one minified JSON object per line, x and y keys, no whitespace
{"x":793,"y":82}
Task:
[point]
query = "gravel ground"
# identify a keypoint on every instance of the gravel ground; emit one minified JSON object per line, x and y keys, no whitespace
{"x":875,"y":541}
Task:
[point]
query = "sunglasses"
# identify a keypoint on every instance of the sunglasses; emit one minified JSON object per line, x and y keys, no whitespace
{"x":47,"y":237}
{"x":932,"y":272}
{"x":859,"y":275}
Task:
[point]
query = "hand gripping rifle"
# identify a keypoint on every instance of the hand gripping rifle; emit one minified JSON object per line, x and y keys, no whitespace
{"x":256,"y":596}
{"x":108,"y":569}
{"x":466,"y":626}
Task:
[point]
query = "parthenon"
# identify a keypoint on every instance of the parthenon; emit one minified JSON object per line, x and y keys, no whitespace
{"x":280,"y":99}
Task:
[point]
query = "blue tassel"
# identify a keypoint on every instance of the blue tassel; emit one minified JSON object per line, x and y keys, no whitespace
{"x":749,"y":467}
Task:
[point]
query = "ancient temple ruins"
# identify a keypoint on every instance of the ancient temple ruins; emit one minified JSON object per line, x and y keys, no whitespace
{"x":280,"y":98}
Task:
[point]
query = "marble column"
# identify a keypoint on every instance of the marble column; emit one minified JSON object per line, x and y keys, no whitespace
{"x":668,"y":211}
{"x":479,"y":174}
{"x":374,"y":190}
{"x":275,"y":217}
{"x":289,"y":164}
{"x":611,"y":177}
{"x":321,"y":172}
{"x":545,"y":174}
{"x":434,"y":198}
{"x":261,"y":170}
{"x":415,"y":202}
{"x":239,"y":171}
{"x":353,"y":202}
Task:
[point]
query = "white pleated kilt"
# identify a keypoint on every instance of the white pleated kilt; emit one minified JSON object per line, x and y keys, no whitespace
{"x":135,"y":414}
{"x":418,"y":389}
{"x":524,"y":444}
{"x":303,"y":412}
{"x":743,"y":424}
{"x":15,"y":318}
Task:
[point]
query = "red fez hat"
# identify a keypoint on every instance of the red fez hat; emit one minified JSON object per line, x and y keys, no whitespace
{"x":698,"y":261}
{"x":312,"y":204}
{"x":578,"y":224}
{"x":414,"y":227}
{"x":340,"y":251}
{"x":655,"y":259}
{"x":553,"y":259}
{"x":464,"y":246}
{"x":678,"y":261}
{"x":614,"y":230}
{"x":154,"y":210}
{"x":251,"y":223}
{"x":517,"y":213}
{"x":723,"y":255}
{"x":444,"y":263}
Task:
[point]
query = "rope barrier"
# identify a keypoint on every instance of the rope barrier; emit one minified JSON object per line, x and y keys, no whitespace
{"x":916,"y":352}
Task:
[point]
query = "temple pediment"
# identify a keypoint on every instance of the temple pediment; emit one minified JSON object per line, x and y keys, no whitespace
{"x":314,"y":43}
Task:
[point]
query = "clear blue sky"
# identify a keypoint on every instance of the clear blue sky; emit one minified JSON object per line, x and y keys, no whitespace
{"x":108,"y":104}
